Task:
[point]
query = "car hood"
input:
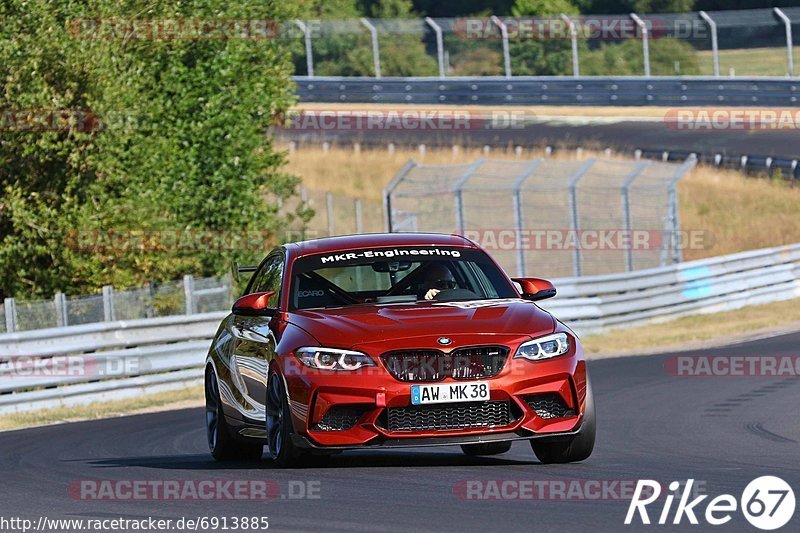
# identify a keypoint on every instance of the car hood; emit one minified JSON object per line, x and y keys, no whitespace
{"x":346,"y":327}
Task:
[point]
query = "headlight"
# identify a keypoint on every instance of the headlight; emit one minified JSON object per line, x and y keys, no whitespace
{"x":544,"y":347}
{"x":333,"y":358}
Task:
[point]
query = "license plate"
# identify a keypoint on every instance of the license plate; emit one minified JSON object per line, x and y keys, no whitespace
{"x":471,"y":391}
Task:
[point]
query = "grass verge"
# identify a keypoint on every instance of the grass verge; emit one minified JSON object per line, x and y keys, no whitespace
{"x":161,"y":401}
{"x":697,"y":331}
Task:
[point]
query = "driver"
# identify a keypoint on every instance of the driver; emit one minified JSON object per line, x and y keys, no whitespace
{"x":437,"y":279}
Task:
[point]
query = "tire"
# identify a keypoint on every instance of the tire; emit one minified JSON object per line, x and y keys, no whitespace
{"x":577,"y":448}
{"x":486,"y":448}
{"x":279,"y":424}
{"x":221,"y":444}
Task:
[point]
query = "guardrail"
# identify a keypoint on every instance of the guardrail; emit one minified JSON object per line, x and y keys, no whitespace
{"x":73,"y":365}
{"x":554,"y":90}
{"x":114,"y":360}
{"x":710,"y":285}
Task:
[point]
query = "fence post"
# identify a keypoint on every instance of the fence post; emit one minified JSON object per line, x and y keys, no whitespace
{"x":714,"y":43}
{"x":458,"y":189}
{"x":10,"y":308}
{"x":671,"y":245}
{"x":518,"y":215}
{"x":309,"y":54}
{"x":359,"y":225}
{"x":329,"y":208}
{"x":439,"y":45}
{"x":376,"y":57}
{"x":626,"y":208}
{"x":387,"y":193}
{"x":575,"y":219}
{"x":506,"y":53}
{"x":61,"y":309}
{"x":645,"y":44}
{"x":789,"y":44}
{"x":109,"y":313}
{"x":188,"y":291}
{"x":573,"y":33}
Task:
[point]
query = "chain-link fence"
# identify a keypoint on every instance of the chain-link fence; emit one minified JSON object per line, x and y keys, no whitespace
{"x":340,"y":214}
{"x":547,"y":216}
{"x":187,"y":296}
{"x":757,"y":42}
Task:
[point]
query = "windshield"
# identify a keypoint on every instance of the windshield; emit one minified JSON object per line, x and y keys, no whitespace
{"x":396,"y":275}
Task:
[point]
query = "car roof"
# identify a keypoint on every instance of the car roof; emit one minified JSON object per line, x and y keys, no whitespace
{"x":376,"y":240}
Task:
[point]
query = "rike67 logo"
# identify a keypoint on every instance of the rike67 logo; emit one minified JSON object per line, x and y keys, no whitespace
{"x":767,"y":503}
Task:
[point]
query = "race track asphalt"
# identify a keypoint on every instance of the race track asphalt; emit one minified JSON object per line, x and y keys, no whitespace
{"x":648,"y":135}
{"x":721,"y":431}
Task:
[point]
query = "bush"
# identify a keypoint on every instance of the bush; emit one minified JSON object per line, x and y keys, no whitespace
{"x":191,"y":152}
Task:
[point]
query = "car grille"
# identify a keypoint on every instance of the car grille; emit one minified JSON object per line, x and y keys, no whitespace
{"x":549,"y":406}
{"x":340,"y":418}
{"x":451,"y":416}
{"x":434,"y":365}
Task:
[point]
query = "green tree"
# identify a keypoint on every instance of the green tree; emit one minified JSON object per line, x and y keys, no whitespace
{"x":183,"y":144}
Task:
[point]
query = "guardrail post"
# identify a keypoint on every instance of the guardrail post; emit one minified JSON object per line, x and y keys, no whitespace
{"x":626,"y":208}
{"x":789,"y":44}
{"x":575,"y":219}
{"x":573,"y":36}
{"x":61,"y":309}
{"x":529,"y":170}
{"x":714,"y":44}
{"x":309,"y":54}
{"x":10,"y":310}
{"x":109,"y":313}
{"x":458,"y":189}
{"x":329,"y":209}
{"x":645,"y":42}
{"x":188,"y":291}
{"x":359,"y":224}
{"x":439,"y":45}
{"x":506,"y":53}
{"x":376,"y":57}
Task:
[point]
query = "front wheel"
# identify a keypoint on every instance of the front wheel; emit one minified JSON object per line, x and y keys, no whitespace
{"x":279,"y":424}
{"x":576,"y":448}
{"x":222,"y":446}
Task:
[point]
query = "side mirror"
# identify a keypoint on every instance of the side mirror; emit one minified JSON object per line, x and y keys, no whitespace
{"x":535,"y":289}
{"x":256,"y":304}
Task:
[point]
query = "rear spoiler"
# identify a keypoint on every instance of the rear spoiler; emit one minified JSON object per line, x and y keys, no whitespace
{"x":237,"y":269}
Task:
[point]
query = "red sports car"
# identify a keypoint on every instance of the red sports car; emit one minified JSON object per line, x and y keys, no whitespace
{"x":394,"y":340}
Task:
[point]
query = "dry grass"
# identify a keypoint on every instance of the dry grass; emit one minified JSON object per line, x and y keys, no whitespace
{"x":696,"y":330}
{"x":162,"y":401}
{"x":737,"y":212}
{"x":740,"y":212}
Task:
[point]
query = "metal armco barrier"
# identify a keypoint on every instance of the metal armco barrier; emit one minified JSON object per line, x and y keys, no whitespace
{"x":164,"y":353}
{"x":553,"y":90}
{"x":102,"y":361}
{"x":590,"y":304}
